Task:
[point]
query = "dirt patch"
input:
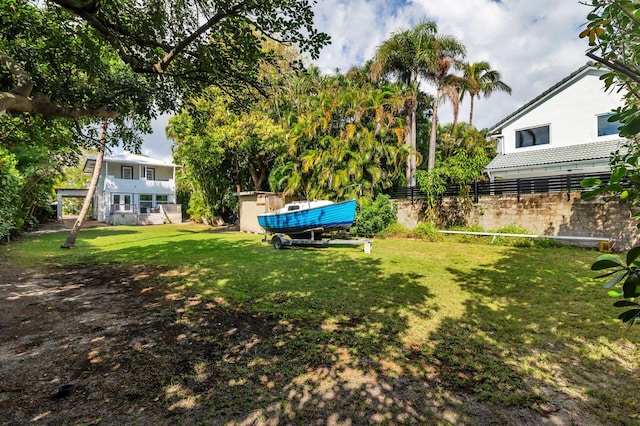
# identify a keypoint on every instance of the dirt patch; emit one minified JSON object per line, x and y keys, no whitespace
{"x":110,"y":345}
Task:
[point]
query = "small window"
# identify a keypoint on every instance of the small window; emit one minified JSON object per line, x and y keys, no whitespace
{"x":532,"y":137}
{"x":162,"y":199}
{"x":127,"y":172}
{"x":606,"y":127}
{"x":292,"y":208}
{"x":150,"y":173}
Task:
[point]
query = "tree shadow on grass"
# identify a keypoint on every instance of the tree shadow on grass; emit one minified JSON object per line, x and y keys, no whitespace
{"x":239,"y":333}
{"x":243,"y":334}
{"x":541,"y":337}
{"x":295,"y":336}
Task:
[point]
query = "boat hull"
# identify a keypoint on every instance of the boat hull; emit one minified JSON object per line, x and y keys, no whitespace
{"x":328,"y":218}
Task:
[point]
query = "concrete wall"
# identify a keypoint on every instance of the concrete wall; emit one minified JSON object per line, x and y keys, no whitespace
{"x":548,"y":214}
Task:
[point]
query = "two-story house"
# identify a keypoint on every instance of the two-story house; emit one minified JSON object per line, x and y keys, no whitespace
{"x":564,"y":131}
{"x":135,"y":189}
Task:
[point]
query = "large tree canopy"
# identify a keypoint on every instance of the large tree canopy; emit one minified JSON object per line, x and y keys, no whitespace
{"x":75,"y":58}
{"x":346,"y":138}
{"x":220,"y":150}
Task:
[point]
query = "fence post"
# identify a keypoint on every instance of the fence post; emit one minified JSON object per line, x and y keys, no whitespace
{"x":568,"y":187}
{"x":475,"y":191}
{"x":518,"y":188}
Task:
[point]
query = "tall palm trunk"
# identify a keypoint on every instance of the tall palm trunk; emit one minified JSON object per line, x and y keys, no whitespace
{"x":411,"y":158}
{"x":471,"y":112}
{"x":70,"y":242}
{"x":431,"y":162}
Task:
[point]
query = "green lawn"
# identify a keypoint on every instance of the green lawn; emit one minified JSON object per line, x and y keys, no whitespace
{"x":444,"y":322}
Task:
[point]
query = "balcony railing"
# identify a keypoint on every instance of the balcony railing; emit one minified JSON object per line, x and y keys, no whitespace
{"x":548,"y":185}
{"x":150,"y":186}
{"x":132,"y":209}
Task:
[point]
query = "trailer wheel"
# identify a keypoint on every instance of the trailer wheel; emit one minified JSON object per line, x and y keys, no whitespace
{"x":277,"y":242}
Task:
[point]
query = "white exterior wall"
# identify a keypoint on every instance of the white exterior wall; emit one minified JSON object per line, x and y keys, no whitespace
{"x":571,"y":114}
{"x":110,"y":183}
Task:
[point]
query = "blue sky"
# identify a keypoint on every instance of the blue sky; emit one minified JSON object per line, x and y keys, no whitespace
{"x":534,"y":44}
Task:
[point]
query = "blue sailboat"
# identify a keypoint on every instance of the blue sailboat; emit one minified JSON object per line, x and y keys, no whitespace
{"x":304,"y":217}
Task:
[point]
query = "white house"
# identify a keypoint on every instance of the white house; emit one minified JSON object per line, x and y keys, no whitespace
{"x":134,"y":189}
{"x":563,"y":131}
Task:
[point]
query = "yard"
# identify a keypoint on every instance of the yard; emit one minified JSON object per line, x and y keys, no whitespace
{"x":185,"y":325}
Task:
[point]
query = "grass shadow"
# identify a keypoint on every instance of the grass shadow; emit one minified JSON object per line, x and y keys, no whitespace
{"x":540,"y":336}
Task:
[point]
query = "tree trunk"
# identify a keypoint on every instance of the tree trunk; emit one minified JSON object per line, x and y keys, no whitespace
{"x":409,"y":140}
{"x":432,"y":138}
{"x":70,"y":242}
{"x":414,"y":148}
{"x":471,"y":113}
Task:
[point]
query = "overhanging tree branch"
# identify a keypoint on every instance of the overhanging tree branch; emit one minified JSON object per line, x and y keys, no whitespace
{"x":162,"y":65}
{"x":24,"y":84}
{"x":616,"y":66}
{"x":20,"y":98}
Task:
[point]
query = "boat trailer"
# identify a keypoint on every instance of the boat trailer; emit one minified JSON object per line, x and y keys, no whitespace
{"x":280,"y":241}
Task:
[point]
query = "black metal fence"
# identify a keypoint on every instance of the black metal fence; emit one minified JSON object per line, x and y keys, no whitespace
{"x":555,"y":184}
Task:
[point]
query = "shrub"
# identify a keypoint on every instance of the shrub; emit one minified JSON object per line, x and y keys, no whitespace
{"x":467,"y":238}
{"x":396,"y":229}
{"x":373,"y":216}
{"x":513,"y":241}
{"x":425,"y":231}
{"x":10,"y":190}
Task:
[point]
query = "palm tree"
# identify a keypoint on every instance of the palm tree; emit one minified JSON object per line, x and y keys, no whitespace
{"x":447,"y":55}
{"x":480,"y":79}
{"x":403,"y":56}
{"x":412,"y":54}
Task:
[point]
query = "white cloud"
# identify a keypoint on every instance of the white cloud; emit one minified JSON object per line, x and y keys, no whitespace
{"x":534,"y":44}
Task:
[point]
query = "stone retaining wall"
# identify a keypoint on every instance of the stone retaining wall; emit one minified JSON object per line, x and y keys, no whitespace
{"x":546,"y":214}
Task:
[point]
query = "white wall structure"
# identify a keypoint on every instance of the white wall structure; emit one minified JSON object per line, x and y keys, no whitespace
{"x":133,"y":188}
{"x":562,"y":131}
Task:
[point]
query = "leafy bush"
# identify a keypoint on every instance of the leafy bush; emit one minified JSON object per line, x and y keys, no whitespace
{"x":467,"y":238}
{"x":396,"y":229}
{"x":524,"y":241}
{"x":425,"y":231}
{"x":373,"y":216}
{"x":513,"y":241}
{"x":10,"y":190}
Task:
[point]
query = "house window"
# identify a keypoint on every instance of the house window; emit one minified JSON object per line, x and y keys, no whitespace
{"x":606,"y":127}
{"x":162,"y":199}
{"x":146,"y":203}
{"x":122,"y":202}
{"x":150,"y":173}
{"x":127,"y":172}
{"x":532,"y":137}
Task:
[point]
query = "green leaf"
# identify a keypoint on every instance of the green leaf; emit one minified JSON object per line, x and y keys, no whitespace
{"x":590,"y":194}
{"x":630,"y":286}
{"x":615,"y":280}
{"x":632,"y":255}
{"x":631,"y":128}
{"x":623,"y":303}
{"x":617,"y":174}
{"x":606,"y":261}
{"x":629,"y":315}
{"x":589,"y":182}
{"x":608,"y":274}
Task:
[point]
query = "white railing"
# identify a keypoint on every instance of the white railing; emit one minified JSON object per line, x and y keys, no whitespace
{"x":139,"y":185}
